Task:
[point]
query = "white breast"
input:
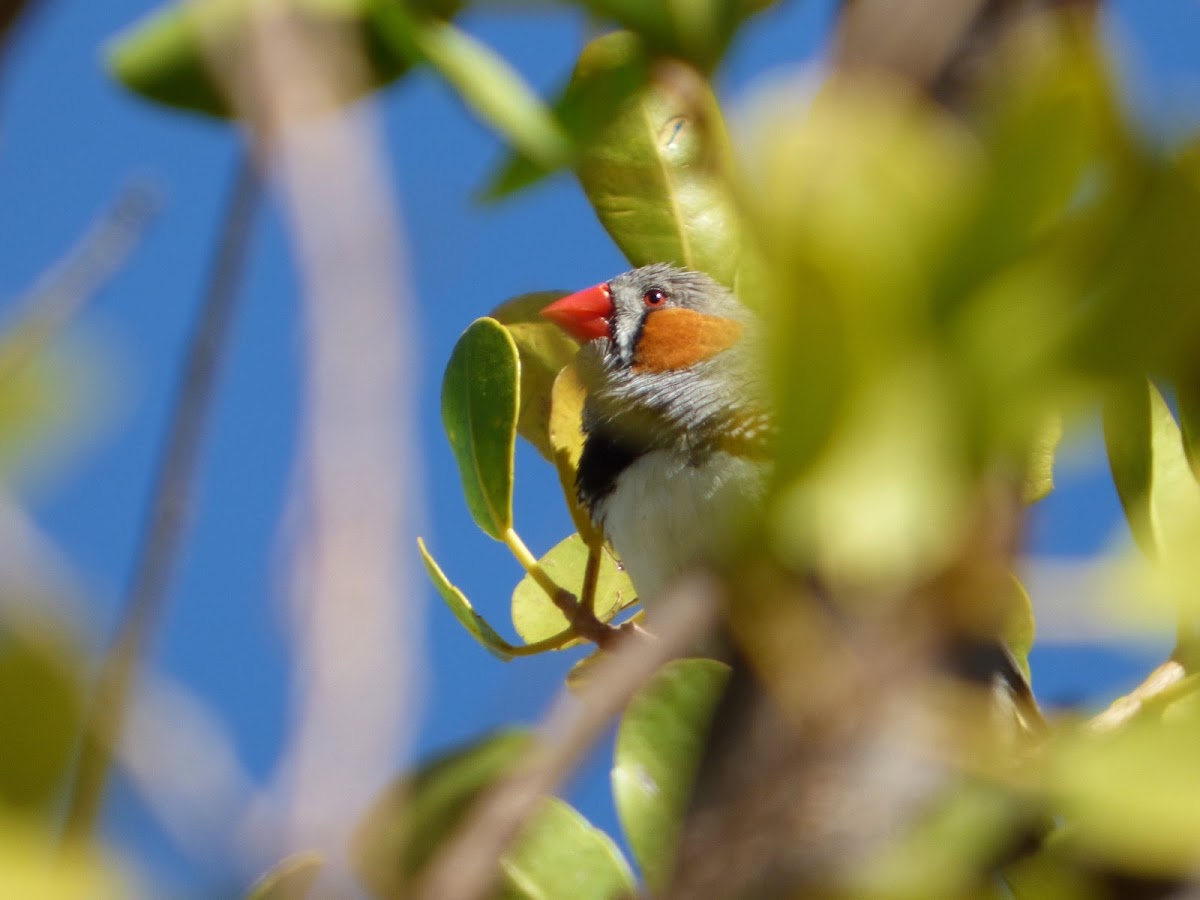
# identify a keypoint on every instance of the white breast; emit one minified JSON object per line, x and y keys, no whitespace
{"x":666,"y":515}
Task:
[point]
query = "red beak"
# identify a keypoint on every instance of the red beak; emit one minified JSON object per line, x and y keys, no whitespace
{"x":583,"y":315}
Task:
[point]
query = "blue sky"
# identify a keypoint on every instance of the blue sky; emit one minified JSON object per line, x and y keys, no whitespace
{"x":69,"y":138}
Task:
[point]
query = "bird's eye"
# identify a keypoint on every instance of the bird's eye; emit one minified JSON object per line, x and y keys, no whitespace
{"x":654,"y":297}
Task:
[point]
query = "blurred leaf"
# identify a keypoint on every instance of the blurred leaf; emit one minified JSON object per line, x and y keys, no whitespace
{"x":1144,"y":275}
{"x":697,"y":31}
{"x":659,"y":743}
{"x":1187,"y":393}
{"x":484,"y":80}
{"x":413,"y":817}
{"x":33,"y":866}
{"x":1020,"y":627}
{"x":292,"y":879}
{"x":610,"y":68}
{"x":1150,"y":469}
{"x":164,"y":56}
{"x":544,"y":349}
{"x":657,"y":173}
{"x":1039,"y":476}
{"x":45,"y":397}
{"x":854,"y":194}
{"x":41,"y":712}
{"x":560,"y":854}
{"x":943,"y":853}
{"x":535,"y":616}
{"x":1130,"y":794}
{"x":462,"y":609}
{"x":566,"y":440}
{"x":479,"y":412}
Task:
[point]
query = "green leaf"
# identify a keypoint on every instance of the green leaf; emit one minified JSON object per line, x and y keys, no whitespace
{"x":292,"y":879}
{"x":561,"y":854}
{"x":610,"y":69}
{"x":41,"y":708}
{"x":1039,"y":473}
{"x":544,"y":350}
{"x":657,"y":173}
{"x":535,"y":616}
{"x":1150,"y":469}
{"x":484,"y":80}
{"x":1020,"y":627}
{"x":1130,"y":794}
{"x":462,"y":609}
{"x":567,"y":398}
{"x":479,"y":412}
{"x":164,"y":57}
{"x":659,"y":743}
{"x":697,"y":31}
{"x":413,"y":817}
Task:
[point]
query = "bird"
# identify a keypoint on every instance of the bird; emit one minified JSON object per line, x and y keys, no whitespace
{"x":679,"y":440}
{"x":677,"y":434}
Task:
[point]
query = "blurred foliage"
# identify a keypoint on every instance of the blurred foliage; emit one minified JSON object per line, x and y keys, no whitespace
{"x":943,"y":296}
{"x":558,"y":853}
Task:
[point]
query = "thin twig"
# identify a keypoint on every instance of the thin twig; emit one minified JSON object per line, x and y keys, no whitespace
{"x":467,"y":866}
{"x":169,"y":505}
{"x":59,"y":294}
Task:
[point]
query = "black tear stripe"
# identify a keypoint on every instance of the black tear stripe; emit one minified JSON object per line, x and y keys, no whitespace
{"x":604,"y":458}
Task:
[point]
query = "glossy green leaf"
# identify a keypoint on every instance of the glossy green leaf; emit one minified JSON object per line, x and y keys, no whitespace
{"x":561,"y":854}
{"x":1151,"y":472}
{"x":292,"y":879}
{"x":610,"y":69}
{"x":41,"y":706}
{"x":657,"y":173}
{"x":535,"y":616}
{"x":479,"y":411}
{"x":484,"y":80}
{"x":544,"y":349}
{"x":164,"y":56}
{"x":462,"y":609}
{"x":659,"y":743}
{"x":413,"y":817}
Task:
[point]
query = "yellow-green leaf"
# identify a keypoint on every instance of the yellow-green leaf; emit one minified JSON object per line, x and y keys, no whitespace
{"x":657,"y":173}
{"x":1039,"y":473}
{"x":535,"y":616}
{"x":566,"y":441}
{"x":561,"y":854}
{"x":1020,"y":627}
{"x":1150,"y":469}
{"x":479,"y":412}
{"x":544,"y":349}
{"x":462,"y":609}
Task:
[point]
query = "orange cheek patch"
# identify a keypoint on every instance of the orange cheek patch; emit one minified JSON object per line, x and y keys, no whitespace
{"x":678,"y":338}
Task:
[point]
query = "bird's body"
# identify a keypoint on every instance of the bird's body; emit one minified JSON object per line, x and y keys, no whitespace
{"x":675,"y":454}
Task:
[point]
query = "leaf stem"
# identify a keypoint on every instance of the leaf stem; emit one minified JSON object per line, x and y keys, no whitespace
{"x":530,"y":563}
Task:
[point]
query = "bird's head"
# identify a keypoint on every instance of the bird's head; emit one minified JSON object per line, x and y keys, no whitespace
{"x":662,"y":345}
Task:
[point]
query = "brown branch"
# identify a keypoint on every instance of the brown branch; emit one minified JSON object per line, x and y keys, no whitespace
{"x":468,"y":865}
{"x":170,"y":504}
